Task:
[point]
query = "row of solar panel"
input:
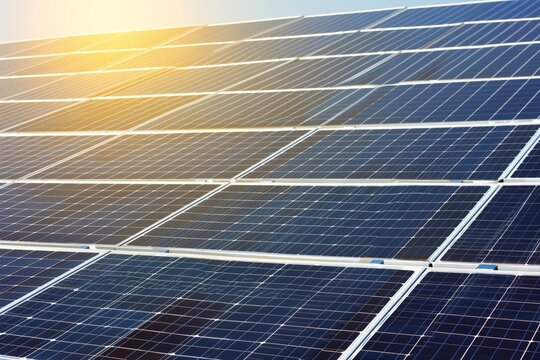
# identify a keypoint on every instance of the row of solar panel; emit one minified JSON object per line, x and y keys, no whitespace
{"x":402,"y":222}
{"x":462,"y":64}
{"x":260,"y":50}
{"x":132,"y":307}
{"x":403,"y":104}
{"x":445,"y":153}
{"x":291,"y":27}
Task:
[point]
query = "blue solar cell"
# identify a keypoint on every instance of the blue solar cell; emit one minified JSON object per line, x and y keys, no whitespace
{"x":467,"y":101}
{"x":482,"y":63}
{"x":492,"y":33}
{"x":134,"y":307}
{"x":506,"y":231}
{"x":312,"y":73}
{"x":438,"y":153}
{"x":329,"y":23}
{"x":385,"y":222}
{"x":530,"y":167}
{"x":371,"y":41}
{"x":174,"y":156}
{"x":469,"y":12}
{"x":22,"y":271}
{"x":87,"y":213}
{"x":258,"y":110}
{"x":462,"y":316}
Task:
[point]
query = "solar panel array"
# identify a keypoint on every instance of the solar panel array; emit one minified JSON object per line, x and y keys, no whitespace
{"x":351,"y":186}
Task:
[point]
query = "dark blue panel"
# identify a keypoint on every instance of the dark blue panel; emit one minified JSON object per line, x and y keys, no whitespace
{"x":371,"y":41}
{"x":470,"y":101}
{"x":143,"y":307}
{"x":483,"y":63}
{"x":262,"y":110}
{"x":330,"y":23}
{"x":461,"y":13}
{"x":506,"y":231}
{"x":530,"y":167}
{"x":87,"y":214}
{"x":423,"y":154}
{"x":492,"y":33}
{"x":174,"y":156}
{"x":312,"y":73}
{"x":462,"y":316}
{"x":383,"y":222}
{"x":23,"y":271}
{"x":21,"y":156}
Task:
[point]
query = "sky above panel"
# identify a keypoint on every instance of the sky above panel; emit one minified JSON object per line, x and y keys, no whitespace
{"x":31,"y":19}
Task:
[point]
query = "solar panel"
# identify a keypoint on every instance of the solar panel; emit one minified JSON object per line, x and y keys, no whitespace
{"x":190,"y":80}
{"x":374,"y":222}
{"x":444,"y":102}
{"x":330,"y":23}
{"x":506,"y":231}
{"x":23,"y":271}
{"x":373,"y":41}
{"x":492,"y":33}
{"x":160,"y":307}
{"x":73,"y":63}
{"x":457,"y":153}
{"x":490,"y":10}
{"x":229,"y":32}
{"x":313,"y":73}
{"x":107,"y":114}
{"x":298,"y":188}
{"x":257,"y":110}
{"x":174,"y":156}
{"x":22,"y":156}
{"x":78,"y":86}
{"x":482,"y":63}
{"x":87,"y":213}
{"x":13,"y":114}
{"x":530,"y":167}
{"x":457,"y":315}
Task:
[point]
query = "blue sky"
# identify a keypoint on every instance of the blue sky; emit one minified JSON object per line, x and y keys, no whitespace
{"x":30,"y":19}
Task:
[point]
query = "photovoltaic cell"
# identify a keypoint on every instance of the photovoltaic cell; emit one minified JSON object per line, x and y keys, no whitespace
{"x":469,"y":316}
{"x":330,"y":23}
{"x":313,"y":73}
{"x":174,"y":156}
{"x":444,"y":102}
{"x":421,"y":154}
{"x":13,"y":114}
{"x":492,"y":33}
{"x":494,"y":62}
{"x":229,"y":32}
{"x":10,"y":66}
{"x":530,"y":167}
{"x":374,"y":222}
{"x":73,"y":63}
{"x":191,"y":80}
{"x":269,"y":49}
{"x":169,"y":308}
{"x":257,"y":110}
{"x":140,"y":39}
{"x":23,"y":271}
{"x":109,"y":114}
{"x":22,"y":156}
{"x":169,"y":57}
{"x":467,"y":12}
{"x":87,"y":214}
{"x":372,"y":41}
{"x":81,"y":85}
{"x":12,"y":86}
{"x":506,"y":231}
